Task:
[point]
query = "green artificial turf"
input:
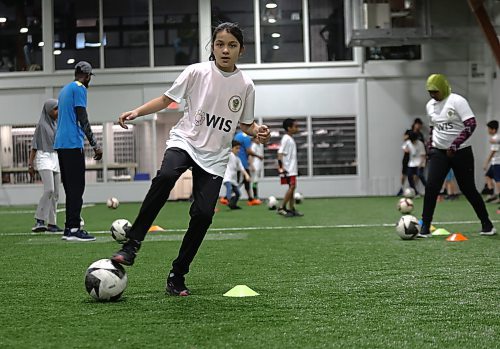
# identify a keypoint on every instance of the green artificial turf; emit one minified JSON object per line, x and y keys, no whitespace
{"x":339,"y":277}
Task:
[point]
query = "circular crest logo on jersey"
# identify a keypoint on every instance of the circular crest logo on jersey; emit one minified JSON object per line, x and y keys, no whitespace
{"x":199,"y":118}
{"x":235,"y":104}
{"x":450,"y":113}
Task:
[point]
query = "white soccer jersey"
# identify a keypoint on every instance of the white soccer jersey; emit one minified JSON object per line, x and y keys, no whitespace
{"x":233,"y":166}
{"x":215,"y":102}
{"x":416,"y":151}
{"x":289,"y":150}
{"x":495,"y":160}
{"x":447,"y":117}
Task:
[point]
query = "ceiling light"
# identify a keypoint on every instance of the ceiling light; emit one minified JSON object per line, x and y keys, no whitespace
{"x":271,"y":20}
{"x":3,"y":19}
{"x":23,"y":30}
{"x":41,"y":43}
{"x":57,"y":52}
{"x":276,"y":47}
{"x":271,"y":4}
{"x":275,"y":35}
{"x":70,"y":61}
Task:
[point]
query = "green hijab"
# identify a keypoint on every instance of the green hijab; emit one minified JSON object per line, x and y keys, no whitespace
{"x":438,"y":82}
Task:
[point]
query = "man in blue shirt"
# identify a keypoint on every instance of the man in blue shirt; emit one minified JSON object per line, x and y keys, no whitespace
{"x":72,"y":126}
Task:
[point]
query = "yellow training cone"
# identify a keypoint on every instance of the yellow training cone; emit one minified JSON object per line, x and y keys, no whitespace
{"x":241,"y":291}
{"x":432,"y":228}
{"x":441,"y":231}
{"x":155,"y":228}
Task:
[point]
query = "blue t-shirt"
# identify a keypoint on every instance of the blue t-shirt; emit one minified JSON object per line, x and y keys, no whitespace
{"x":246,"y":143}
{"x":69,"y":134}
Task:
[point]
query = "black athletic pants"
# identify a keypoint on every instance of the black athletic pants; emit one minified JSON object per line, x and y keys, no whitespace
{"x":439,"y":165}
{"x":206,"y":188}
{"x":72,"y":164}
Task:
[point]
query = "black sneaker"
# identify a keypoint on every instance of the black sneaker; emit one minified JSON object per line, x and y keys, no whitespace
{"x":65,"y":234}
{"x":297,"y":213}
{"x":424,"y":232}
{"x":175,"y":285}
{"x":488,"y":229}
{"x":126,"y":255}
{"x":79,"y":235}
{"x":39,"y":226}
{"x":53,"y":228}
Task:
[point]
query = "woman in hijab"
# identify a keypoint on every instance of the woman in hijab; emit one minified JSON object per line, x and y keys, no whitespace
{"x":43,"y":157}
{"x":452,"y":122}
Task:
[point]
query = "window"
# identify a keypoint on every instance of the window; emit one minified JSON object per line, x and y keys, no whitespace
{"x":126,"y":30}
{"x":327,"y":31}
{"x":176,"y":38}
{"x":281,"y":31}
{"x":334,"y":146}
{"x":20,"y":36}
{"x":241,"y":12}
{"x":76,"y":33}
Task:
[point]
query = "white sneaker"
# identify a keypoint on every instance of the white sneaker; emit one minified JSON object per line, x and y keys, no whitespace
{"x":492,"y":232}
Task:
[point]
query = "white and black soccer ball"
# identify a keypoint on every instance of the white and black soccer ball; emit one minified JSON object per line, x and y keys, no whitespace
{"x":298,"y":197}
{"x":112,"y":203}
{"x":272,"y":203}
{"x":409,"y":193}
{"x":105,"y":280}
{"x":408,"y":227}
{"x":405,"y":205}
{"x":119,"y":230}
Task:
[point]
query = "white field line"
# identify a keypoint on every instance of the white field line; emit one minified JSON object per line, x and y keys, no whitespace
{"x":232,"y":229}
{"x":34,"y":210}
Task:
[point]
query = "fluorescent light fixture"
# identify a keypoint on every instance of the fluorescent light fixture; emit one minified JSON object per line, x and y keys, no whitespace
{"x":275,"y":35}
{"x":3,"y":19}
{"x":271,"y":4}
{"x":276,"y":47}
{"x":70,"y":61}
{"x":41,"y":43}
{"x":23,"y":30}
{"x":57,"y":52}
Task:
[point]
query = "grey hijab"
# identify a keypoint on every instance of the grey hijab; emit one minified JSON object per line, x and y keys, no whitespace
{"x":43,"y":139}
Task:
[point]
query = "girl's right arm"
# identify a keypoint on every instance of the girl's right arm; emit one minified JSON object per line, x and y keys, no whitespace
{"x":150,"y":107}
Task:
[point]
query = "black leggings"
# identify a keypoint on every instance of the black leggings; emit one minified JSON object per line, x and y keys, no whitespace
{"x":206,"y":188}
{"x":439,"y":165}
{"x":72,"y":164}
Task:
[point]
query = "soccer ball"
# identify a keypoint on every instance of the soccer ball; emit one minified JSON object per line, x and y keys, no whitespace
{"x":405,"y":205}
{"x":407,"y":227}
{"x":119,"y":230}
{"x":298,"y":197}
{"x":105,"y":280}
{"x":272,"y":203}
{"x":112,"y":203}
{"x":409,"y":193}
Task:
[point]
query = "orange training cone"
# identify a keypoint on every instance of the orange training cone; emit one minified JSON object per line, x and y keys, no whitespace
{"x":456,"y":237}
{"x":155,"y":228}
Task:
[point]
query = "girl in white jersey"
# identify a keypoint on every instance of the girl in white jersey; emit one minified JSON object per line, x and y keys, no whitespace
{"x":451,"y":124}
{"x":218,"y":97}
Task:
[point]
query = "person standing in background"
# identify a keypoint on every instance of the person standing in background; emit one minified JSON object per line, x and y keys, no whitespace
{"x":452,"y":122}
{"x":256,"y":165}
{"x":243,"y":154}
{"x":72,"y":126}
{"x":43,"y":158}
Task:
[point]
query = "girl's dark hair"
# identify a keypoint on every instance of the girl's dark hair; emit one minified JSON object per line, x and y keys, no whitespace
{"x":288,"y":123}
{"x":230,"y":28}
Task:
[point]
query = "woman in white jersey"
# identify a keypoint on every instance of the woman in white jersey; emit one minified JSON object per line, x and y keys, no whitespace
{"x":451,"y":124}
{"x":218,"y":97}
{"x":43,"y":157}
